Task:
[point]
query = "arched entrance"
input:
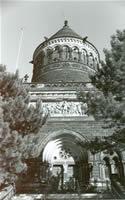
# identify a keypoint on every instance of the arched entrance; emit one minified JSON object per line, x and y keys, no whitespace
{"x":62,"y":164}
{"x":68,"y":163}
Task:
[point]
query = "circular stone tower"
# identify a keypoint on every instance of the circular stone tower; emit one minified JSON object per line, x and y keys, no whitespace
{"x":64,"y":57}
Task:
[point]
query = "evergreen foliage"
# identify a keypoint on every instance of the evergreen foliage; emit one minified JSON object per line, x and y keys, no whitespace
{"x":107,"y":100}
{"x":20,"y":124}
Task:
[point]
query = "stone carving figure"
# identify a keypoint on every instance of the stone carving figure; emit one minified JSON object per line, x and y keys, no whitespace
{"x":65,"y":108}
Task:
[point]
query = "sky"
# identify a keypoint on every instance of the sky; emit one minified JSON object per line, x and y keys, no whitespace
{"x":25,"y":23}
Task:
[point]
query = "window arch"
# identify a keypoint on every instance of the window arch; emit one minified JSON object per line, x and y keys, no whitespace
{"x":56,"y":53}
{"x":49,"y":55}
{"x":84,"y":56}
{"x":65,"y":54}
{"x":90,"y":60}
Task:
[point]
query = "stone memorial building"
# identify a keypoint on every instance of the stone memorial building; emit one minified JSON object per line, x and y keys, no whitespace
{"x":62,"y":65}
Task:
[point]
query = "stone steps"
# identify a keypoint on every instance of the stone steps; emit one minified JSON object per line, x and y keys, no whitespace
{"x":54,"y":196}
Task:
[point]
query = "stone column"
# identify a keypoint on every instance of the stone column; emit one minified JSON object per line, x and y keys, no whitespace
{"x":95,"y":171}
{"x":80,"y":57}
{"x":103,"y":174}
{"x":103,"y":171}
{"x":70,"y":54}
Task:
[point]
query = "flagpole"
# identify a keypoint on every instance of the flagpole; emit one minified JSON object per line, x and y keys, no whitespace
{"x":19,"y":48}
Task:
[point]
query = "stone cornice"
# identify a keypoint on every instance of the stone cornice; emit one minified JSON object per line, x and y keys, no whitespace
{"x":57,"y":86}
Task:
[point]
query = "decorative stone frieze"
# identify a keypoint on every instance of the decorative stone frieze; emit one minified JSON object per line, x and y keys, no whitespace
{"x":64,"y":108}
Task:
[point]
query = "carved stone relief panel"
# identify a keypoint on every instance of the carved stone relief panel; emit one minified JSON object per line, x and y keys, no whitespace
{"x":65,"y":108}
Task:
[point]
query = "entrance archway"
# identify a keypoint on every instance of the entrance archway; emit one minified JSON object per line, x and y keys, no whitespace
{"x":51,"y":135}
{"x":67,"y":161}
{"x":61,"y":165}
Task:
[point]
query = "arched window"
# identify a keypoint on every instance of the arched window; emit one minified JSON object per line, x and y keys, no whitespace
{"x":49,"y":55}
{"x":65,"y":54}
{"x":56,"y":53}
{"x":90,"y":60}
{"x":84,"y":56}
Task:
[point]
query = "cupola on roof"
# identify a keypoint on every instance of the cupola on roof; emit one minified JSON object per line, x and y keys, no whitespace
{"x":66,"y":31}
{"x":64,"y":57}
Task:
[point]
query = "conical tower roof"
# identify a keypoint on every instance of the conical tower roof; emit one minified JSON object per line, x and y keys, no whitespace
{"x":66,"y":31}
{"x":64,"y":57}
